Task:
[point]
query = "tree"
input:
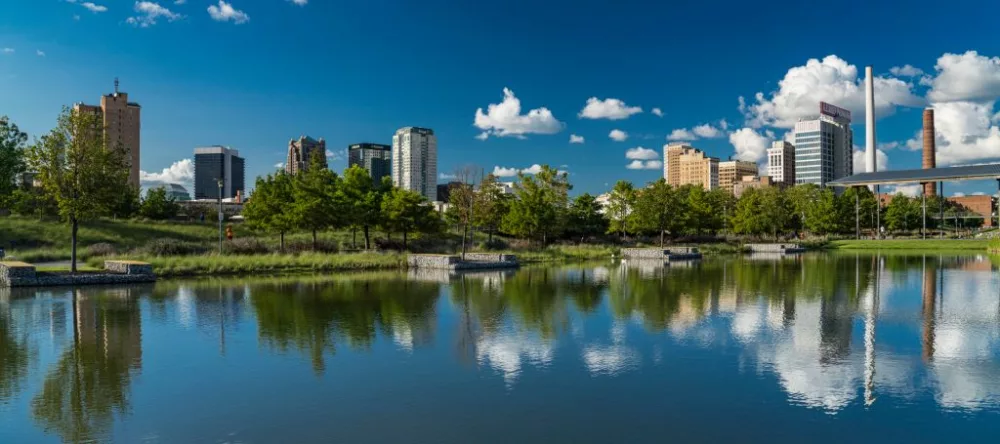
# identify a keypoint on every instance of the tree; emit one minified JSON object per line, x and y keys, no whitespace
{"x":821,"y":212}
{"x":318,"y":205}
{"x":538,"y":210}
{"x":775,"y":210}
{"x":12,"y":150}
{"x":77,"y":171}
{"x":903,"y":213}
{"x":657,"y":209}
{"x":584,"y":217}
{"x":490,"y":206}
{"x":621,"y":202}
{"x":363,"y":198}
{"x":748,"y":216}
{"x":462,"y":200}
{"x":802,"y":198}
{"x":856,"y":208}
{"x":127,"y":203}
{"x":407,"y":211}
{"x":158,"y":206}
{"x":723,"y":203}
{"x":700,"y":213}
{"x":267,"y":208}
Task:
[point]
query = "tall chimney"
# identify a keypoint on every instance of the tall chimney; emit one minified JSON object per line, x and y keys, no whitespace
{"x":930,"y":160}
{"x":870,"y":160}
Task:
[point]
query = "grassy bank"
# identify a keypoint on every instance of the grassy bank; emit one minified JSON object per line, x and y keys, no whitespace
{"x":913,"y":244}
{"x":268,"y":263}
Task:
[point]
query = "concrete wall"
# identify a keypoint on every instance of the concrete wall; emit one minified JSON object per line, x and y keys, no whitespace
{"x":657,"y":253}
{"x":20,"y":274}
{"x":772,"y":248}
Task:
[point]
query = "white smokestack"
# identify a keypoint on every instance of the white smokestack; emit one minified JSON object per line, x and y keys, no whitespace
{"x":870,"y":163}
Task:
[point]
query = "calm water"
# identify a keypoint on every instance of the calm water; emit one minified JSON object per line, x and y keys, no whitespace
{"x":820,"y":348}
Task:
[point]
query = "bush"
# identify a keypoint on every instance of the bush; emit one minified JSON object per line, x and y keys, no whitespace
{"x":245,"y":245}
{"x":101,"y":249}
{"x":306,"y":246}
{"x":495,"y":244}
{"x":386,"y":244}
{"x":172,"y":247}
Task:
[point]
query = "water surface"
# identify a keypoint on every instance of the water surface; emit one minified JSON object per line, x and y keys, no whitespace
{"x":819,"y":348}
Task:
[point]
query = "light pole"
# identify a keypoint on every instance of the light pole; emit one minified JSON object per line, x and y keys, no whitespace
{"x":220,"y":182}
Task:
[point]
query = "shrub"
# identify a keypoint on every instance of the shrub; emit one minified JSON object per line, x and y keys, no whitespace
{"x":495,"y":244}
{"x":306,"y":246}
{"x":245,"y":245}
{"x":171,"y":247}
{"x":386,"y":244}
{"x":101,"y":249}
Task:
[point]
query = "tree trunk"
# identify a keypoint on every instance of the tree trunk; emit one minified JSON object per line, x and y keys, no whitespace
{"x":490,"y":236}
{"x":76,"y":226}
{"x":314,"y":240}
{"x":368,"y":240}
{"x":661,"y":238}
{"x":404,"y":240}
{"x":281,"y":241}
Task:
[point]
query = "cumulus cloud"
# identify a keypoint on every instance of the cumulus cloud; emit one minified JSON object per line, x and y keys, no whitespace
{"x":958,"y":194}
{"x":279,"y":165}
{"x":149,"y":13}
{"x":300,"y":2}
{"x":618,"y":135}
{"x":830,"y":80}
{"x":708,"y":131}
{"x":657,"y":112}
{"x":966,"y":132}
{"x":224,"y":12}
{"x":611,"y":109}
{"x":966,"y":77}
{"x":573,"y":138}
{"x":500,"y":171}
{"x":906,"y":71}
{"x":180,"y":172}
{"x":334,"y":155}
{"x":681,"y":134}
{"x":860,"y":164}
{"x":751,"y":145}
{"x":505,"y":119}
{"x":644,"y":165}
{"x":180,"y":2}
{"x":93,"y":7}
{"x":640,"y":153}
{"x":907,"y":190}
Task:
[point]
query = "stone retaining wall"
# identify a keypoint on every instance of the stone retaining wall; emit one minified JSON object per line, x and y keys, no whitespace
{"x":128,"y":267}
{"x":774,"y":248}
{"x":475,"y":261}
{"x":659,"y":253}
{"x":490,"y":257}
{"x":16,"y":274}
{"x":20,"y":274}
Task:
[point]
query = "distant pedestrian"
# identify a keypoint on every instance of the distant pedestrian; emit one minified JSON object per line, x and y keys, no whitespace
{"x":229,"y":232}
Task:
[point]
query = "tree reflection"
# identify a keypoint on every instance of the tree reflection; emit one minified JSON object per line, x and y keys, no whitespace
{"x":14,"y":356}
{"x":90,"y":383}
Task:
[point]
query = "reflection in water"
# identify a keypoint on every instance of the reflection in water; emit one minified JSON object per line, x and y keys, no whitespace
{"x":833,"y":333}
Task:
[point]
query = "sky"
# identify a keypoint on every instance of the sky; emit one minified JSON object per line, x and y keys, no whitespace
{"x":595,"y":88}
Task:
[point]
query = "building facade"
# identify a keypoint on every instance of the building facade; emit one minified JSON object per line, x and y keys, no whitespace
{"x":671,"y":162}
{"x":215,"y":163}
{"x":122,"y":125}
{"x":781,"y":162}
{"x":732,"y":172}
{"x":824,"y":147}
{"x":374,"y":158}
{"x":174,"y":191}
{"x":693,"y":167}
{"x":414,"y":161}
{"x":751,"y":182}
{"x":981,"y":205}
{"x":302,"y":151}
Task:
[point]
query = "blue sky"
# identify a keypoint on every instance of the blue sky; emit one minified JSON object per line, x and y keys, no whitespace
{"x":252,"y":74}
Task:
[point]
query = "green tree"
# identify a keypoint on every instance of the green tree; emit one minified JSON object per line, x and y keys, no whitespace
{"x":748,"y":216}
{"x":902,"y":214}
{"x":490,"y":206}
{"x":723,"y":203}
{"x":407,"y":211}
{"x":318,"y":205}
{"x":538,"y":210}
{"x":802,"y":199}
{"x":267,"y":208}
{"x":621,"y":203}
{"x":363,"y":198}
{"x":657,"y":209}
{"x":775,"y":210}
{"x":77,"y":171}
{"x":32,"y":201}
{"x":12,"y":151}
{"x":462,"y":202}
{"x":584,"y":217}
{"x":856,"y":208}
{"x":701,"y":214}
{"x":158,"y":206}
{"x":127,"y":203}
{"x":821,"y":212}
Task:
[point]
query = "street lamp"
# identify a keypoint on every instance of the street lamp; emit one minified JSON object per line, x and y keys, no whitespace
{"x":220,"y":182}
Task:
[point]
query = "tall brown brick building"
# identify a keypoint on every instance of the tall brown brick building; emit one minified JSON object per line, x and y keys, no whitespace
{"x":121,"y":127}
{"x":301,"y":151}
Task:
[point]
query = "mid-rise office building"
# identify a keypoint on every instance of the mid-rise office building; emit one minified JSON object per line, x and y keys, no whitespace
{"x":732,"y":172}
{"x":302,"y":151}
{"x":781,"y":162}
{"x":414,"y":161}
{"x":215,"y":163}
{"x":121,"y":120}
{"x":824,"y":147}
{"x":686,"y":165}
{"x":374,"y":158}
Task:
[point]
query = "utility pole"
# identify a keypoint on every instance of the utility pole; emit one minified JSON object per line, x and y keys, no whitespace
{"x":857,"y":213}
{"x":923,"y":203}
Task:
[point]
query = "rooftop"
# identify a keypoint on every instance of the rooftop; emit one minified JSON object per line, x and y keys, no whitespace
{"x":898,"y":177}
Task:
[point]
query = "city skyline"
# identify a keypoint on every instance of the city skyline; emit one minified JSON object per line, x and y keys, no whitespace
{"x":584,"y":104}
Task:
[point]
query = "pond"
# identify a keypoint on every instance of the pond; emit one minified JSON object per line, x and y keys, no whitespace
{"x":816,"y":348}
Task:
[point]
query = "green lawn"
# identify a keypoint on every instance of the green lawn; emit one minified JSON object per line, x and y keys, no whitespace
{"x":913,"y":244}
{"x":212,"y":264}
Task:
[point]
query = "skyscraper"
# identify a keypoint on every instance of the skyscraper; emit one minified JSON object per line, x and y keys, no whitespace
{"x":121,"y":127}
{"x":414,"y":161}
{"x":671,"y":162}
{"x":373,"y":157}
{"x":686,"y":165}
{"x":214,"y":163}
{"x":302,"y":151}
{"x":824,"y":147}
{"x":732,"y":172}
{"x":781,"y":162}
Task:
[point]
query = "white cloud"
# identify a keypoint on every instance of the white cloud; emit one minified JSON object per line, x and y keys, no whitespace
{"x":500,"y":171}
{"x":279,"y":165}
{"x":180,"y":2}
{"x":300,"y":2}
{"x":966,"y":77}
{"x":7,"y":50}
{"x":750,"y":145}
{"x":860,"y":164}
{"x":888,"y":145}
{"x":483,"y":136}
{"x":93,"y":7}
{"x":444,"y":176}
{"x":180,"y":172}
{"x":965,"y":131}
{"x":334,"y":155}
{"x":573,"y":138}
{"x":644,"y":165}
{"x":958,"y":195}
{"x":225,"y":12}
{"x":907,"y":190}
{"x":40,"y":53}
{"x":618,"y":135}
{"x":658,"y":112}
{"x":906,"y":71}
{"x":150,"y":12}
{"x":708,"y":131}
{"x":505,"y":119}
{"x":830,"y":80}
{"x":640,"y":153}
{"x":681,"y":134}
{"x":611,"y":109}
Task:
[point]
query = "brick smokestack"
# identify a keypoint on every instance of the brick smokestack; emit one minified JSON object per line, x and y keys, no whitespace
{"x":929,"y":151}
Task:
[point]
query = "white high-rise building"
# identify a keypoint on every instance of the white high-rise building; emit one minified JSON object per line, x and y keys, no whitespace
{"x":414,"y":161}
{"x":781,"y":162}
{"x":824,"y":147}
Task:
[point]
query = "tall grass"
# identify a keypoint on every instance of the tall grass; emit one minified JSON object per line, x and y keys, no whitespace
{"x":212,"y":264}
{"x":914,"y":244}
